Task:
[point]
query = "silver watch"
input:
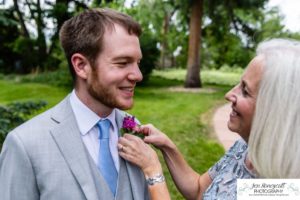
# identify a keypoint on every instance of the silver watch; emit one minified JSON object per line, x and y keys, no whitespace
{"x":159,"y":178}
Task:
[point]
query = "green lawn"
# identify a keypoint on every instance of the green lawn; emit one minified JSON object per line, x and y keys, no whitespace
{"x":217,"y":77}
{"x":14,"y":91}
{"x":183,"y":116}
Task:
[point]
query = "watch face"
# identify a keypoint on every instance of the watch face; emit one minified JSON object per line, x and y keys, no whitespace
{"x":156,"y":179}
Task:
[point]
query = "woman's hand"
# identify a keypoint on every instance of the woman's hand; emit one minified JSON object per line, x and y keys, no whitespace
{"x":155,"y":137}
{"x":135,"y":150}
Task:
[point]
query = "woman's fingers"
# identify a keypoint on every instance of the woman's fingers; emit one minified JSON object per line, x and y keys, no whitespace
{"x":131,"y":145}
{"x":134,"y":149}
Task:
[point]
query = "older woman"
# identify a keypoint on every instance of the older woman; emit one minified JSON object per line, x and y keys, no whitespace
{"x":275,"y":137}
{"x":219,"y":182}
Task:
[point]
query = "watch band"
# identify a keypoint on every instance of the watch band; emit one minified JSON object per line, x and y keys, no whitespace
{"x":159,"y":178}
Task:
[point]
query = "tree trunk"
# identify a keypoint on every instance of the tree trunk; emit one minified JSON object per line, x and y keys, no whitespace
{"x":41,"y":40}
{"x":164,"y":44}
{"x":61,"y":17}
{"x":193,"y":65}
{"x":25,"y":32}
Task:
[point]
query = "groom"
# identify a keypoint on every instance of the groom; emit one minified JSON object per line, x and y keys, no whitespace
{"x":70,"y":151}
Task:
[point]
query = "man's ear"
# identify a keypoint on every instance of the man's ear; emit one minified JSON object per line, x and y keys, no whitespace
{"x":81,"y":65}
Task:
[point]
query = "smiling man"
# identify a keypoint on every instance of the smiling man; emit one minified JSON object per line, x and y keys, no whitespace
{"x":70,"y":151}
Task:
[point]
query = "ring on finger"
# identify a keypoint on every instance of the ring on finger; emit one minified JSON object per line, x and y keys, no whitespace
{"x":123,"y":148}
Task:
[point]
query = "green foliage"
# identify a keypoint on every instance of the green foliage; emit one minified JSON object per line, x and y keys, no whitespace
{"x":167,"y":24}
{"x":271,"y":26}
{"x":30,"y":45}
{"x":234,"y":30}
{"x":227,"y":34}
{"x":16,"y":113}
{"x":60,"y":78}
{"x":178,"y":45}
{"x":28,"y":56}
{"x":230,"y":29}
{"x":8,"y":34}
{"x":150,"y":54}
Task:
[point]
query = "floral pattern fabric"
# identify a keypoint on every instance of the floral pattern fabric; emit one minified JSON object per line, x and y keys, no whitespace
{"x":226,"y":171}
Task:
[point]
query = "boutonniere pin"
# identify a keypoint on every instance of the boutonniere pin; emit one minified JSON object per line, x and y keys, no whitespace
{"x":131,"y":127}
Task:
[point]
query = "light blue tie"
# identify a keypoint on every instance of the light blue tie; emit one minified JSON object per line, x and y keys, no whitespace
{"x":106,"y":163}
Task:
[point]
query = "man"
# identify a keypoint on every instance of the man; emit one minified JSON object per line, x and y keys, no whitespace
{"x":61,"y":153}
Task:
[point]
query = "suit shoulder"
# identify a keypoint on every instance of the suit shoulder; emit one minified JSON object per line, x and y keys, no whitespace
{"x":38,"y":124}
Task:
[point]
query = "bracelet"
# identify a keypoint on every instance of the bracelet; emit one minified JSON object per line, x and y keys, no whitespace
{"x":159,"y":178}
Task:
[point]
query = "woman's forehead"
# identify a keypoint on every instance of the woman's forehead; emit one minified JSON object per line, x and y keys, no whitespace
{"x":253,"y":72}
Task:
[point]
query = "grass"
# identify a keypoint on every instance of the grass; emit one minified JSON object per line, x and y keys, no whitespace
{"x":182,"y":116}
{"x":225,"y":77}
{"x":13,"y":91}
{"x":179,"y":116}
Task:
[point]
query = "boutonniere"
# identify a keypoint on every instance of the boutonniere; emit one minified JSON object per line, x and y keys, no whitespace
{"x":130,"y":126}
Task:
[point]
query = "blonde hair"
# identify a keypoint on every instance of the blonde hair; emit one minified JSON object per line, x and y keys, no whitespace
{"x":275,"y":134}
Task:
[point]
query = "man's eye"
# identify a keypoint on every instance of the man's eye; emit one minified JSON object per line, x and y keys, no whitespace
{"x":121,"y":63}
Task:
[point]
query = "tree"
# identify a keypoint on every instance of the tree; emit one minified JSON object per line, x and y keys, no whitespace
{"x":193,"y":65}
{"x":224,"y":18}
{"x":224,"y":37}
{"x":37,"y":47}
{"x":8,"y":34}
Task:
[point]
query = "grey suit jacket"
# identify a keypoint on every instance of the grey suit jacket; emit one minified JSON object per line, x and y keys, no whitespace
{"x":45,"y":158}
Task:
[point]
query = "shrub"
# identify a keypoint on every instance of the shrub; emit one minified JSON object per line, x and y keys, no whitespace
{"x":150,"y":54}
{"x":60,"y":77}
{"x":15,"y":114}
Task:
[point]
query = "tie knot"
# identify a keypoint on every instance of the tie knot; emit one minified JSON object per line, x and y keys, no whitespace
{"x":104,"y":126}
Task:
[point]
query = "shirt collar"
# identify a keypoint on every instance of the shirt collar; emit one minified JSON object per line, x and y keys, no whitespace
{"x":85,"y":117}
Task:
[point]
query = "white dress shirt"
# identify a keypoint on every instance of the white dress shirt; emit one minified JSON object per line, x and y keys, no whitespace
{"x":87,"y":122}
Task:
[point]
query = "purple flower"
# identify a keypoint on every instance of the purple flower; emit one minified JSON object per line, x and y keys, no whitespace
{"x":130,"y":126}
{"x":129,"y":123}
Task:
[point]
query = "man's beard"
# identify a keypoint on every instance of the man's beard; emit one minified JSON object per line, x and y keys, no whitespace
{"x":103,"y":94}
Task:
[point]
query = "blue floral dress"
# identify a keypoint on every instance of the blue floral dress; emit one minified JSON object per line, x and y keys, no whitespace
{"x":226,"y":171}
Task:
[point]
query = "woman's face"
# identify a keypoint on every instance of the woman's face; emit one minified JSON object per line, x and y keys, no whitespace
{"x":243,"y":99}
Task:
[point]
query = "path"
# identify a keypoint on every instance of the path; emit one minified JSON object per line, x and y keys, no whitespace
{"x":224,"y":135}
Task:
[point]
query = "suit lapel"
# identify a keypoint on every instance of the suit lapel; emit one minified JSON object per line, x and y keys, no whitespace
{"x":136,"y":177}
{"x":119,"y":119}
{"x":67,"y":137}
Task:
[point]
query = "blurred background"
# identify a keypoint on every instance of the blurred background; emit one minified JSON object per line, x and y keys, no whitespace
{"x":222,"y":33}
{"x":193,"y":52}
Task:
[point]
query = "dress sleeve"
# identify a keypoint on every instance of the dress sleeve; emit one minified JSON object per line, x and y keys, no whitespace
{"x":216,"y":168}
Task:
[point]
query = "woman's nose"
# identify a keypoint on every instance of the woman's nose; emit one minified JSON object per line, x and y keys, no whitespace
{"x":230,"y":95}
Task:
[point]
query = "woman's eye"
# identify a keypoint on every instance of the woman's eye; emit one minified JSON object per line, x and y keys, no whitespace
{"x":243,"y":89}
{"x":244,"y":92}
